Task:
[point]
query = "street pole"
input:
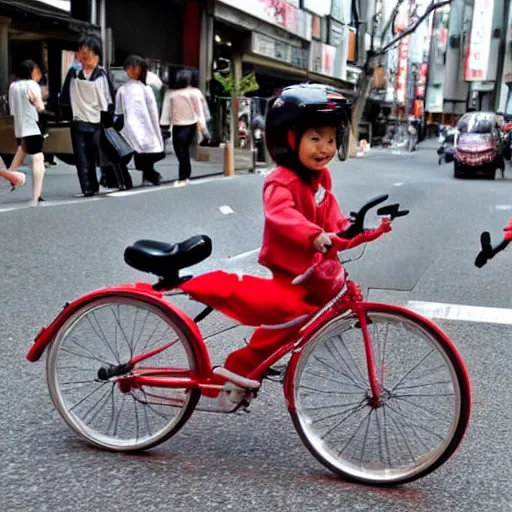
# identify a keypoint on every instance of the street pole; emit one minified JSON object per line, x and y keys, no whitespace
{"x":103,"y":25}
{"x":94,"y":12}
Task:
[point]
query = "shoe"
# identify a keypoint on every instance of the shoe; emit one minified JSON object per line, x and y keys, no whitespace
{"x":22,"y":178}
{"x":89,"y":194}
{"x":232,"y":396}
{"x":41,"y":200}
{"x":147,"y":183}
{"x":180,"y":183}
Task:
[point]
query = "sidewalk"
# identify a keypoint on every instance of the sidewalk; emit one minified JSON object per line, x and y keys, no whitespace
{"x":61,"y":180}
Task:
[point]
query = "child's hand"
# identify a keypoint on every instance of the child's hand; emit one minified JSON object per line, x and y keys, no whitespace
{"x":323,"y":242}
{"x":508,"y":231}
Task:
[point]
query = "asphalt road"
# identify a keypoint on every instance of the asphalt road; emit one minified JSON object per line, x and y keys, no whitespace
{"x":254,"y":461}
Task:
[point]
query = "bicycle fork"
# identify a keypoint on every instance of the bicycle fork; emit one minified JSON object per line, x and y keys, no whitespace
{"x":375,"y":385}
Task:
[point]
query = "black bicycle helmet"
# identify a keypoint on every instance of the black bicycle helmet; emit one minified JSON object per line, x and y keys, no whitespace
{"x":298,"y":108}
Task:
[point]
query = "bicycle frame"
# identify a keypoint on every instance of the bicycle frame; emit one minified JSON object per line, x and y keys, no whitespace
{"x":347,"y":300}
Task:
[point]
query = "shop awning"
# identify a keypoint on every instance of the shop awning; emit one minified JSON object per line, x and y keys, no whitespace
{"x":35,"y":10}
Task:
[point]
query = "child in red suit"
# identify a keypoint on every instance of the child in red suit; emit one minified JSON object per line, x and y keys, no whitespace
{"x":302,"y":215}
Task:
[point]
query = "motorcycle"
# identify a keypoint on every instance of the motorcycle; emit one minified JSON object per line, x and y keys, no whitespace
{"x":446,"y":150}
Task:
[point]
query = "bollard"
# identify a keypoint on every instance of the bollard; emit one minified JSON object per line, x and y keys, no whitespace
{"x":229,"y":159}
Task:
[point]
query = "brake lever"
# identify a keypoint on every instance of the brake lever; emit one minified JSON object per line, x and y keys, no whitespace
{"x":393,"y":211}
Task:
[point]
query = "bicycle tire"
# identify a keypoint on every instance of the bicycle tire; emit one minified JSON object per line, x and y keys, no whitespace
{"x":304,"y":422}
{"x":84,"y":352}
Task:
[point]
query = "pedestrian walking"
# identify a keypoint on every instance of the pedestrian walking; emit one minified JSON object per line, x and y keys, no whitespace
{"x":26,"y":103}
{"x":89,"y":91}
{"x":183,"y":109}
{"x":136,"y":101}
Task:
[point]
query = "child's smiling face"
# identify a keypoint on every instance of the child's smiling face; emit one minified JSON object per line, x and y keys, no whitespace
{"x":317,"y":147}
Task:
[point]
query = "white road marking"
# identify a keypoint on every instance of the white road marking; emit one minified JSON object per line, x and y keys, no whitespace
{"x":503,"y":207}
{"x":75,"y":201}
{"x":47,"y":204}
{"x":398,"y":184}
{"x":462,"y":313}
{"x":226,"y":209}
{"x":243,"y":255}
{"x":166,"y":186}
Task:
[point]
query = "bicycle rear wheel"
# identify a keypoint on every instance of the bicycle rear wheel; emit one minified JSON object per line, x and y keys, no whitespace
{"x":105,"y":334}
{"x":425,"y":404}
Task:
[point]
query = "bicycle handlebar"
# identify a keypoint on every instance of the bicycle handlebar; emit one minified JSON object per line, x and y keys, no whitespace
{"x":357,"y":227}
{"x":488,"y":251}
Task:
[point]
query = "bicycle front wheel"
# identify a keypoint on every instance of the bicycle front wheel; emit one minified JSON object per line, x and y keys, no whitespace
{"x":102,"y":336}
{"x":425,"y":399}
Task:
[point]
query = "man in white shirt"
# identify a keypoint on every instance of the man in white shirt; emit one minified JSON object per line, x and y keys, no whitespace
{"x":88,"y":90}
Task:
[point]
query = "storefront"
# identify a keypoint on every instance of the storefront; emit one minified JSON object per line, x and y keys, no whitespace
{"x":31,"y":29}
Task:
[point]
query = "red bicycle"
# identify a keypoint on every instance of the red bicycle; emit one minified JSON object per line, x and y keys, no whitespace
{"x":377,"y":393}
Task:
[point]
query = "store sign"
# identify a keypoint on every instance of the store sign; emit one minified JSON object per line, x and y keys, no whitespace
{"x":421,"y":84}
{"x":401,"y":75}
{"x":477,"y":60}
{"x":279,"y":50}
{"x":318,"y":7}
{"x":282,"y":13}
{"x":335,"y":33}
{"x":507,"y":64}
{"x":322,"y":58}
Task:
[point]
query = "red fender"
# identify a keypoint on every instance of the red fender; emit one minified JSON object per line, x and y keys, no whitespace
{"x":142,"y":291}
{"x":407,"y":313}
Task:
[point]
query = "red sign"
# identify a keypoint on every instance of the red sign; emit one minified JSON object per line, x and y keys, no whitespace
{"x":401,"y":76}
{"x":422,"y":81}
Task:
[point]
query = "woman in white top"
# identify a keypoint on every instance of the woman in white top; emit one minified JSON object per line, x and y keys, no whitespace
{"x":137,"y":102}
{"x":25,"y":102}
{"x":183,"y":109}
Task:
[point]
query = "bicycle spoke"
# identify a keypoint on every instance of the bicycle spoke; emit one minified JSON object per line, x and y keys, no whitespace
{"x":386,"y":440}
{"x":354,"y":434}
{"x":425,"y":385}
{"x":119,"y":414}
{"x":96,"y":404}
{"x":349,"y":414}
{"x":365,"y":438}
{"x":411,"y":370}
{"x":422,"y":407}
{"x":316,"y":390}
{"x":356,"y":366}
{"x":141,"y":331}
{"x":136,"y":417}
{"x":327,"y":365}
{"x":102,"y":337}
{"x":121,"y":329}
{"x":335,"y":381}
{"x":87,"y":396}
{"x":91,"y":356}
{"x":405,"y":440}
{"x":354,"y":377}
{"x":134,"y":324}
{"x":333,"y":406}
{"x":423,"y":395}
{"x":412,"y":423}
